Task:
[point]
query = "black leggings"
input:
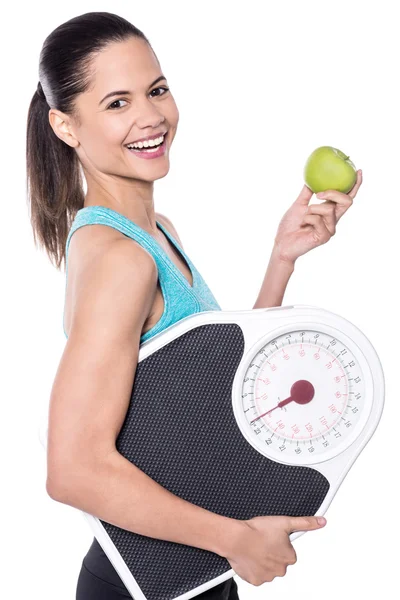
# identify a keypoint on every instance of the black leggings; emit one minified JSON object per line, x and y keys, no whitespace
{"x":98,"y":580}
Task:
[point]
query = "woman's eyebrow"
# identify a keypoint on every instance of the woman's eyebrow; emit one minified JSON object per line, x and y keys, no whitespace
{"x":118,"y":92}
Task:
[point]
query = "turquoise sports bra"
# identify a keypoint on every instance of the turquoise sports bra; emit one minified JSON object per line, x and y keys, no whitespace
{"x":180,"y":298}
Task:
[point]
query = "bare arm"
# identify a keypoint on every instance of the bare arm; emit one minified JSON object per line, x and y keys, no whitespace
{"x":88,"y":405}
{"x":275,"y":281}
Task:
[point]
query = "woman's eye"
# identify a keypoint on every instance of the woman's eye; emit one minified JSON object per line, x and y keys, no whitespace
{"x":160,"y":88}
{"x":155,"y":89}
{"x":115,"y":101}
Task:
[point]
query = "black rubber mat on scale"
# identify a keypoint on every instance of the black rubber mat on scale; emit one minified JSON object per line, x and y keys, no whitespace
{"x":181,"y":431}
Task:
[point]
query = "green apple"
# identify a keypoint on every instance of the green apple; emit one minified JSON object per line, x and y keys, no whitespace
{"x":328,"y":168}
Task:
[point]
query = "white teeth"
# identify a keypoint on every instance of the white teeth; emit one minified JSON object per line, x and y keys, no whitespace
{"x":147,"y":143}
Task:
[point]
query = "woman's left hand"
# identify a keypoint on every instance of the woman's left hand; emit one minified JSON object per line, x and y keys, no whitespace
{"x":305,"y":226}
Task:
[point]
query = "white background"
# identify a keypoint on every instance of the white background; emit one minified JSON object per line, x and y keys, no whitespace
{"x":259,"y":85}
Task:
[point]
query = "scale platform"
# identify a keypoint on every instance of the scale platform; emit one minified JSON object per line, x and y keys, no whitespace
{"x":244,"y":413}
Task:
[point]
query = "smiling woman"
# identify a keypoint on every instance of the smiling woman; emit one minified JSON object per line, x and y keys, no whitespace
{"x":103,"y":108}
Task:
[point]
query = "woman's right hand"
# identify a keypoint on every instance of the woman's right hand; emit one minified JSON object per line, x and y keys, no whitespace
{"x":261,"y":549}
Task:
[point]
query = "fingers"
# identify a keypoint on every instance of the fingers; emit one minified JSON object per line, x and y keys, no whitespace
{"x":304,"y":523}
{"x":305,"y":196}
{"x":327,"y":210}
{"x":357,"y":184}
{"x":342,"y":201}
{"x":320,"y":232}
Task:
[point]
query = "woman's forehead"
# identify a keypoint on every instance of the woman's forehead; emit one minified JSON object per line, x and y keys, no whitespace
{"x":129,"y":65}
{"x":132,"y":58}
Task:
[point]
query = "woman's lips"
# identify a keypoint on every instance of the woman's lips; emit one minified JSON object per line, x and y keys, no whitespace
{"x":160,"y":151}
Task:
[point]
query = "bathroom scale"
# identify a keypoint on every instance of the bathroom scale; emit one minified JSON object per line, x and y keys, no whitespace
{"x":244,"y":413}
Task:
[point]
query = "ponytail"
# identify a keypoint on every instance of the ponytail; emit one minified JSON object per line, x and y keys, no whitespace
{"x":54,"y":181}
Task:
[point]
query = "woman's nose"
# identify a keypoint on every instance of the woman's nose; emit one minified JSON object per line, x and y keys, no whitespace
{"x":148,"y":115}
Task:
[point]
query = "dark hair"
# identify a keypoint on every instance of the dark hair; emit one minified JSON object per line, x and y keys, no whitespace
{"x":54,"y":177}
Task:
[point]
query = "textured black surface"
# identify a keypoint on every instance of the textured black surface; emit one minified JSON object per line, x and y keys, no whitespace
{"x":181,"y":431}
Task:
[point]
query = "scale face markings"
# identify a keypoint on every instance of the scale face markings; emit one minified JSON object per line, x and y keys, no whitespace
{"x":303,"y":397}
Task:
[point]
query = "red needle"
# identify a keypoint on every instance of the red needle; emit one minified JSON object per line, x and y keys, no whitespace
{"x":302,"y":392}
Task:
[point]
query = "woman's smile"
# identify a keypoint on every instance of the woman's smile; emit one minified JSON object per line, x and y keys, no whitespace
{"x":154,"y":152}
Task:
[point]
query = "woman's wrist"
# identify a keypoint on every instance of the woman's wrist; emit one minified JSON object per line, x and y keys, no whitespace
{"x":276,"y":278}
{"x":229,"y":533}
{"x":278,"y":258}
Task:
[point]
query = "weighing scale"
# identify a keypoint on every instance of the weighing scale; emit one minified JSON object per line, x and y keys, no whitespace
{"x":245,"y":413}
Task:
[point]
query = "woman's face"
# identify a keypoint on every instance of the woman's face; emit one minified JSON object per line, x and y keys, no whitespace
{"x":143,"y":109}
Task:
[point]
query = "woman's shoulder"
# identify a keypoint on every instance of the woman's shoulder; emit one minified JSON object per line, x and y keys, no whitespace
{"x":99,"y":243}
{"x":102,"y":256}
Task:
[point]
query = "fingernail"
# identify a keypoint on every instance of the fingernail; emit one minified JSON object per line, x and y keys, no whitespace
{"x":321,"y":195}
{"x":321,"y":520}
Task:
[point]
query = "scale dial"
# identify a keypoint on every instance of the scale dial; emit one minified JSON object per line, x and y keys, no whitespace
{"x":303,"y":395}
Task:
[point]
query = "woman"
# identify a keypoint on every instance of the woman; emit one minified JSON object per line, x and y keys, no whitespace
{"x":101,"y":93}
